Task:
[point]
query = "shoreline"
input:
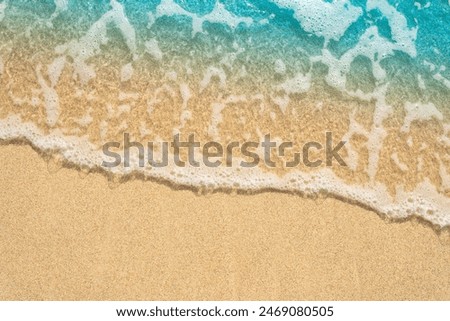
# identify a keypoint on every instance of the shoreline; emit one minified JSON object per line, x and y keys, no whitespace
{"x":70,"y":236}
{"x":116,"y":179}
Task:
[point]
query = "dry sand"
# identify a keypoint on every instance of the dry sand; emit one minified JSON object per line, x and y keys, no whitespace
{"x":68,"y":237}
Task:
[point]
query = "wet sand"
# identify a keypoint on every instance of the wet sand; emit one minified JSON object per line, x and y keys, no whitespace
{"x":65,"y":235}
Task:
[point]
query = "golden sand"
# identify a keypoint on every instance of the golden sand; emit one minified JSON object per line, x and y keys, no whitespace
{"x":68,"y":236}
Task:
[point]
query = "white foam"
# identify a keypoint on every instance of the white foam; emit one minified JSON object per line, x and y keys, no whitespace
{"x":230,"y":57}
{"x":280,"y":67}
{"x":219,"y":14}
{"x":61,"y":6}
{"x":403,"y":36}
{"x":103,"y":129}
{"x":185,"y":113}
{"x":420,"y":164}
{"x":123,"y":109}
{"x":421,"y":82}
{"x":51,"y":98}
{"x":445,"y":139}
{"x":216,"y":119}
{"x":86,"y":120}
{"x":402,"y":166}
{"x":126,"y":72}
{"x":128,"y":95}
{"x":419,"y":6}
{"x":89,"y":45}
{"x":377,"y":132}
{"x":375,"y":47}
{"x":152,"y":48}
{"x":2,"y":66}
{"x":3,"y":6}
{"x":282,"y":102}
{"x":55,"y":69}
{"x":299,"y":84}
{"x":354,"y":128}
{"x":327,"y":19}
{"x":421,"y":112}
{"x":154,"y":99}
{"x":213,"y":72}
{"x":430,"y":65}
{"x":370,"y":45}
{"x":443,"y":174}
{"x":409,"y":141}
{"x":425,"y":200}
{"x":442,"y":79}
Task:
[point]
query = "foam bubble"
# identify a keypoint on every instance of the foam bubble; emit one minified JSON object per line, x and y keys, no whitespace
{"x":219,"y":14}
{"x":89,"y":45}
{"x":280,"y":67}
{"x":322,"y":18}
{"x":425,"y":200}
{"x":51,"y":99}
{"x":61,"y":6}
{"x":126,"y":73}
{"x":299,"y":84}
{"x":213,"y":72}
{"x":2,"y":66}
{"x":421,"y":112}
{"x":152,"y":48}
{"x":404,"y":36}
{"x":3,"y":6}
{"x":55,"y":69}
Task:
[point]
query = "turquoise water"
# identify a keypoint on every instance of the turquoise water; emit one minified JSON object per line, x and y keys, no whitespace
{"x":418,"y":32}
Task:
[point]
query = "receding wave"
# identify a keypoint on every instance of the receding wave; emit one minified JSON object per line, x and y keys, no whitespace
{"x":76,"y":75}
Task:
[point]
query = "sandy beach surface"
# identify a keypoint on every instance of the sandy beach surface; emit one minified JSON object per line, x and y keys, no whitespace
{"x":65,"y":235}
